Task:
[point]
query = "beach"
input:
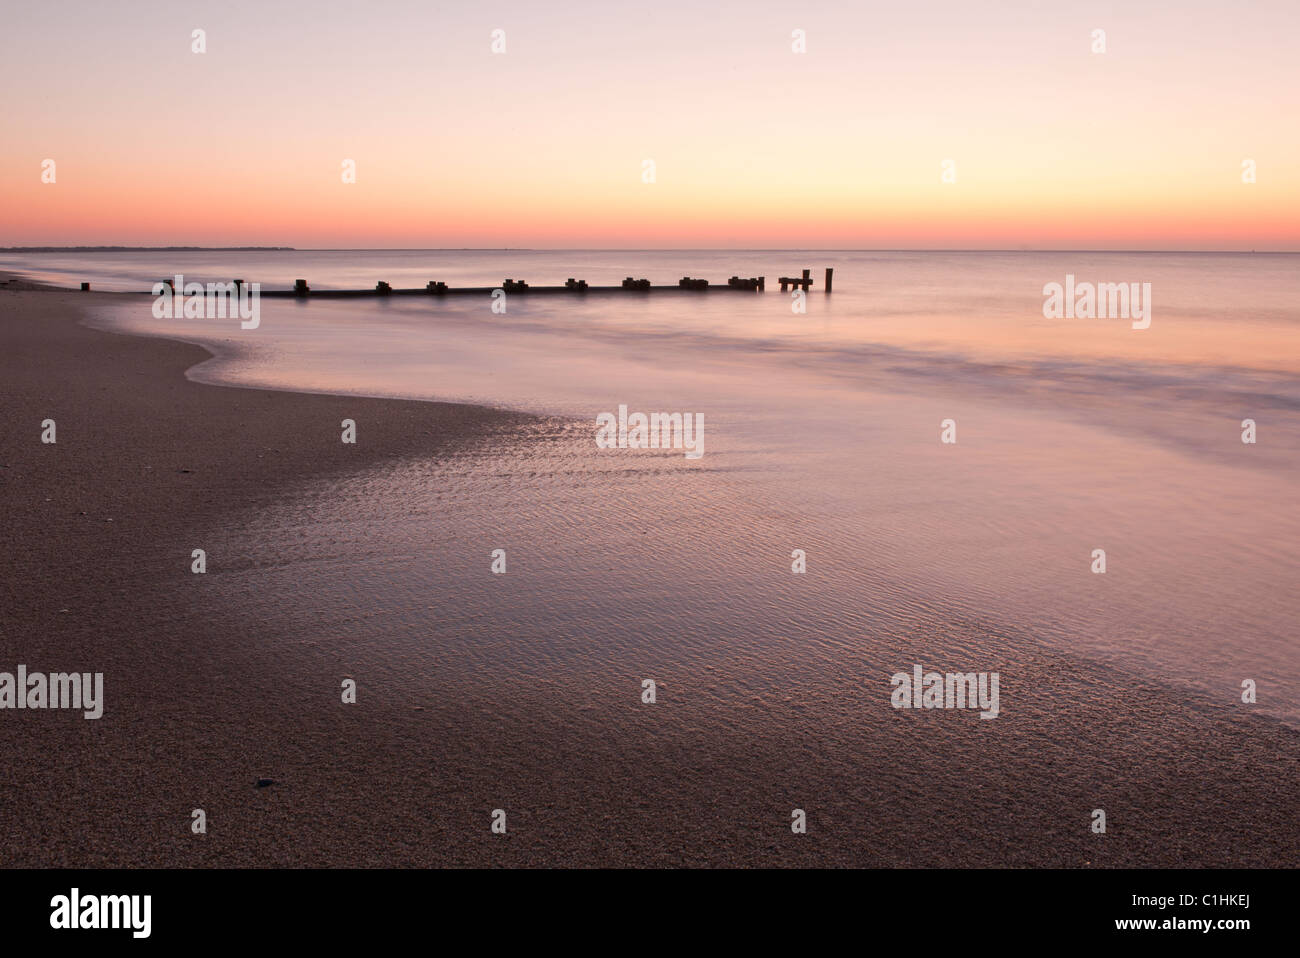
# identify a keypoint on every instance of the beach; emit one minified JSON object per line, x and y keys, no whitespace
{"x":206,"y":694}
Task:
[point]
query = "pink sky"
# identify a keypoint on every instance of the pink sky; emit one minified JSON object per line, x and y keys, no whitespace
{"x":753,"y":145}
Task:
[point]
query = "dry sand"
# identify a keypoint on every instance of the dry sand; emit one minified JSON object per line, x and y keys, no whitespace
{"x":95,"y":573}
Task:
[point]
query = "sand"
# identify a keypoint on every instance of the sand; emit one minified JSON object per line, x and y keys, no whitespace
{"x":96,"y":577}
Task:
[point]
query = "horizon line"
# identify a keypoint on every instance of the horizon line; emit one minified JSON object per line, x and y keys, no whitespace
{"x":613,"y":249}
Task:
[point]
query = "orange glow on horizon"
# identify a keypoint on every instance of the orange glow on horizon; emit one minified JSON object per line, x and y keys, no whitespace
{"x":754,"y":145}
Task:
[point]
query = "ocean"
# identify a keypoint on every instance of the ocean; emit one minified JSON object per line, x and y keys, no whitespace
{"x":823,"y":434}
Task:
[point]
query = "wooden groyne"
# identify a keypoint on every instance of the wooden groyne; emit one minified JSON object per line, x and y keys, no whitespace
{"x":752,"y":284}
{"x":513,"y":286}
{"x":805,"y":282}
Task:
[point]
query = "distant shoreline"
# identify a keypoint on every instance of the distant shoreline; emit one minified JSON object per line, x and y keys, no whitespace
{"x":147,"y":249}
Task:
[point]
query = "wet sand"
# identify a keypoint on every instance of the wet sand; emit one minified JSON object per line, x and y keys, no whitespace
{"x":96,"y":577}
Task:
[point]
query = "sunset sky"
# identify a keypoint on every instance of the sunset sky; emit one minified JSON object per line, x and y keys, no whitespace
{"x":754,"y":145}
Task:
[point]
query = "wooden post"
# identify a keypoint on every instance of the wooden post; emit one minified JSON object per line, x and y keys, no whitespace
{"x":807,"y":280}
{"x":300,"y":287}
{"x":830,"y":271}
{"x":85,"y":287}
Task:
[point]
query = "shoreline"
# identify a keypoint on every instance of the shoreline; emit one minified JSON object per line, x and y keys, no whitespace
{"x":103,"y":520}
{"x":148,"y":461}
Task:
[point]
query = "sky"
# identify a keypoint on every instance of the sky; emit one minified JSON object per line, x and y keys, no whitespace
{"x":1050,"y":145}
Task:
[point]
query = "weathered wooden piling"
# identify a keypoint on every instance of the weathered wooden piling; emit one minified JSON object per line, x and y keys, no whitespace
{"x":830,"y":271}
{"x":803,"y":282}
{"x":512,"y":285}
{"x":85,"y":287}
